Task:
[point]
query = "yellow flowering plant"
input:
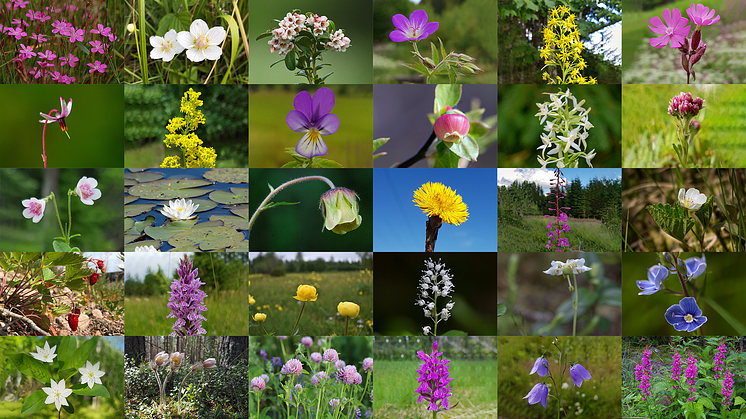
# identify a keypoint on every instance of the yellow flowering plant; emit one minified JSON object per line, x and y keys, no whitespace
{"x":562,"y":48}
{"x":441,"y":204}
{"x":182,"y":135}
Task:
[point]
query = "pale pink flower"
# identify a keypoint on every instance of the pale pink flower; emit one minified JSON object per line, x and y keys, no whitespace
{"x":86,"y":190}
{"x":34,"y":208}
{"x":76,"y":35}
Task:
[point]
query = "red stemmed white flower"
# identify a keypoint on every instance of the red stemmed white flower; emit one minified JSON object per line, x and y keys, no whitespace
{"x":59,"y":117}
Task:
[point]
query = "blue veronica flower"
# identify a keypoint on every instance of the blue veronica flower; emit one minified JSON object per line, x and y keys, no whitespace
{"x":685,"y":316}
{"x":695,"y":267}
{"x":538,"y":394}
{"x":656,"y":275}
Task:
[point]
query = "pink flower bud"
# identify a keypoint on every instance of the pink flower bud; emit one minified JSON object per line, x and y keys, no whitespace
{"x":452,"y":126}
{"x":699,"y":53}
{"x":209,"y":363}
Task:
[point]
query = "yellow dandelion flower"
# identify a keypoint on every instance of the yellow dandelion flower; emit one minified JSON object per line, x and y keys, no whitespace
{"x":436,"y":199}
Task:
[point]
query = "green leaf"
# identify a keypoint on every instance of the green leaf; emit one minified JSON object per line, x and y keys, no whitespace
{"x":443,"y":158}
{"x":34,"y":403}
{"x":325,"y":163}
{"x":69,"y":408}
{"x":739,"y":401}
{"x":377,"y":143}
{"x":478,"y":129}
{"x":706,"y":403}
{"x":611,"y":296}
{"x":452,"y":75}
{"x":167,"y":189}
{"x":705,"y":212}
{"x":60,"y":246}
{"x":442,"y":49}
{"x":140,"y":225}
{"x":97,"y":391}
{"x":673,"y":220}
{"x":291,"y":165}
{"x":467,"y":148}
{"x":446,"y":95}
{"x":228,"y":175}
{"x":167,"y":231}
{"x":137,"y":209}
{"x":82,"y":354}
{"x":66,"y":374}
{"x":290,"y":60}
{"x":208,"y":238}
{"x":60,"y":310}
{"x":454,"y":333}
{"x":66,"y":259}
{"x":235,"y":196}
{"x":264,"y":35}
{"x":30,"y":366}
{"x":474,"y":115}
{"x":434,"y":51}
{"x":173,"y":21}
{"x":725,"y":314}
{"x":128,"y":223}
{"x":501,"y":309}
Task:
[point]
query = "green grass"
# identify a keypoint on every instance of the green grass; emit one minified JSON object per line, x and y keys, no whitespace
{"x":474,"y":387}
{"x":274,"y":297}
{"x":12,"y":410}
{"x":532,"y":236}
{"x":225,"y":314}
{"x":152,"y":155}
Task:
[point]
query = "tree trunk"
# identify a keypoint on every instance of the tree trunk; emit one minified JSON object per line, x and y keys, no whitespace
{"x":232,"y":348}
{"x":134,"y":347}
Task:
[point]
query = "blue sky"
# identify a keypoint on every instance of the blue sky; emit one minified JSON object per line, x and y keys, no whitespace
{"x":399,"y":225}
{"x":542,"y":177}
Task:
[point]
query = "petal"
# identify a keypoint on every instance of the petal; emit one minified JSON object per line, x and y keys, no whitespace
{"x":156,"y":41}
{"x":674,"y":314}
{"x":297,"y":121}
{"x":660,"y":41}
{"x":216,"y":35}
{"x":323,"y":102}
{"x":212,"y":52}
{"x":185,"y":39}
{"x":400,"y":22}
{"x":418,"y":18}
{"x":158,"y":53}
{"x":199,"y":27}
{"x":195,"y":55}
{"x":309,"y":148}
{"x":656,"y":25}
{"x":304,"y":104}
{"x":328,"y":124}
{"x":430,"y":28}
{"x":689,"y":305}
{"x":398,"y":36}
{"x":696,"y":324}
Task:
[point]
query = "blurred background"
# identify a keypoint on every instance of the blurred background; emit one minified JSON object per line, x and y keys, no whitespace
{"x":301,"y":227}
{"x":100,"y":225}
{"x":541,"y":304}
{"x":350,"y":67}
{"x":597,"y":398}
{"x":521,"y":25}
{"x":465,"y":26}
{"x":351,"y":145}
{"x":722,"y":64}
{"x":401,"y":114}
{"x":397,"y":280}
{"x":720,"y":294}
{"x":519,"y":131}
{"x":649,"y":131}
{"x":148,"y":109}
{"x":95,"y":126}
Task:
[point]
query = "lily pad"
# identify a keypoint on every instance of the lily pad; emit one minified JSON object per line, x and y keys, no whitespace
{"x":242,"y":246}
{"x":240,"y":210}
{"x":204,"y":204}
{"x":131,"y":247}
{"x":144,"y":176}
{"x":129,"y":238}
{"x":128,"y":223}
{"x":216,"y":223}
{"x":128,"y":199}
{"x":171,"y":189}
{"x":167,"y":231}
{"x":236,"y":223}
{"x":130,"y":182}
{"x":208,"y":238}
{"x":137,"y":170}
{"x":133,"y":210}
{"x":140,"y":225}
{"x":185,"y":249}
{"x":228,"y":175}
{"x":238,"y":196}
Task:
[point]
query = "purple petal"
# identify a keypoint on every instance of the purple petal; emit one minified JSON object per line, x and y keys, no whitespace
{"x":311,"y":145}
{"x":699,"y":321}
{"x":398,"y":36}
{"x":323,"y":102}
{"x":400,"y":22}
{"x":328,"y":124}
{"x":297,"y":121}
{"x":303,"y":103}
{"x":418,"y":18}
{"x":430,"y":29}
{"x":656,"y":25}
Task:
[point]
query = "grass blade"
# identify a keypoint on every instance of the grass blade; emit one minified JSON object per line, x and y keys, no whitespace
{"x":725,"y":314}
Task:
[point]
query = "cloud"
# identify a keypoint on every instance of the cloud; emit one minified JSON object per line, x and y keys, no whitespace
{"x":541,"y":177}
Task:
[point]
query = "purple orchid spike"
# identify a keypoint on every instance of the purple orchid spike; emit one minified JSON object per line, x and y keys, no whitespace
{"x":676,"y":29}
{"x":186,"y":301}
{"x":413,"y":29}
{"x":312,"y":116}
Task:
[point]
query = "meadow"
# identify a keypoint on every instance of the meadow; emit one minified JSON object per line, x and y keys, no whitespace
{"x":274,"y":297}
{"x":474,"y":387}
{"x":587,"y":234}
{"x":146,"y":316}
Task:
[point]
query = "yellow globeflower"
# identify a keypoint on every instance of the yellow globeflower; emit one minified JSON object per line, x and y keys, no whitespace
{"x":436,"y":199}
{"x":260,"y":317}
{"x":348,"y":309}
{"x":251,"y":300}
{"x":306,"y":293}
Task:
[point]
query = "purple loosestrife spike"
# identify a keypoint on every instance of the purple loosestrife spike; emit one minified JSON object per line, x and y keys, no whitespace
{"x":434,"y":379}
{"x":186,"y":302}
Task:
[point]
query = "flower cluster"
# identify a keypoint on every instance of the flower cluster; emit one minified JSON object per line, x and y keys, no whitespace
{"x":562,"y":48}
{"x":539,"y":392}
{"x":685,"y":106}
{"x":571,"y":267}
{"x":727,"y":388}
{"x":676,"y":368}
{"x":643,"y":371}
{"x":434,"y":380}
{"x":435,"y":282}
{"x":567,"y":127}
{"x":186,"y":301}
{"x":349,"y":375}
{"x":257,"y":384}
{"x":717,"y":365}
{"x":554,"y":235}
{"x":691,"y":376}
{"x":182,"y":135}
{"x":201,"y":43}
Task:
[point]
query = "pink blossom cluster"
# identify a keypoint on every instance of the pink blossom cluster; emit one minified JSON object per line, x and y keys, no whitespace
{"x":560,"y":217}
{"x":727,"y":389}
{"x":643,"y":370}
{"x":257,"y":384}
{"x":293,"y":366}
{"x":684,"y":106}
{"x":691,"y":376}
{"x":293,"y":23}
{"x":719,"y":356}
{"x":349,"y":375}
{"x":338,"y":41}
{"x":676,"y":368}
{"x":555,"y":231}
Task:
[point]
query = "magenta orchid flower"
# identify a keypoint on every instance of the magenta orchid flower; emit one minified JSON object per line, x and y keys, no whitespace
{"x":413,"y":29}
{"x":676,"y":29}
{"x":59,"y":117}
{"x":702,"y":15}
{"x":312,"y":116}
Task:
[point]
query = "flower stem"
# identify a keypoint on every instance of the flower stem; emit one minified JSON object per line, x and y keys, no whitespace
{"x":265,"y":330}
{"x":432,"y":226}
{"x":180,"y":393}
{"x":258,"y":403}
{"x":347,"y":321}
{"x":276,"y":190}
{"x":575,"y":304}
{"x":298,"y":319}
{"x":421,"y":153}
{"x":57,"y":211}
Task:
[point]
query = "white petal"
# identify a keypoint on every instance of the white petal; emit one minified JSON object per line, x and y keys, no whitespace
{"x":213,"y":53}
{"x":216,"y":35}
{"x":156,"y":41}
{"x":158,"y":53}
{"x":185,"y":39}
{"x":195,"y":55}
{"x":199,"y":27}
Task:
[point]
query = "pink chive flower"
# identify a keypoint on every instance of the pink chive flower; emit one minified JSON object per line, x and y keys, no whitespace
{"x":727,"y":389}
{"x":34,"y":208}
{"x":702,"y":15}
{"x":18,"y":33}
{"x":76,"y":35}
{"x":97,"y":46}
{"x":86,"y":190}
{"x":69,"y":60}
{"x":97,"y":66}
{"x":676,"y":29}
{"x":412,"y":29}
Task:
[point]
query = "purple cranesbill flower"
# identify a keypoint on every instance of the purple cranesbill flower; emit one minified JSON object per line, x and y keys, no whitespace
{"x":656,"y":275}
{"x":434,"y":379}
{"x":685,"y":316}
{"x":413,"y":29}
{"x":538,"y":394}
{"x":578,"y":374}
{"x":186,"y":301}
{"x":676,"y":29}
{"x":702,"y":15}
{"x":541,"y":367}
{"x":312,"y":116}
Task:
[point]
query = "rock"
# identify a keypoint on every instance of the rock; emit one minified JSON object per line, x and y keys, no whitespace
{"x":83,"y":322}
{"x":96,"y":313}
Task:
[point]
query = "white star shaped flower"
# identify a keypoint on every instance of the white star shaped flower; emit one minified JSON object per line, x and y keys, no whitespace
{"x":45,"y":354}
{"x":90,"y":374}
{"x":57,"y":394}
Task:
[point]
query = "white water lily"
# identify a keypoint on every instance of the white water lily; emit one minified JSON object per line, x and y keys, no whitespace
{"x":692,"y":199}
{"x":57,"y":394}
{"x":45,"y":354}
{"x":90,"y":374}
{"x":147,"y":248}
{"x":201,"y":42}
{"x":179,"y":209}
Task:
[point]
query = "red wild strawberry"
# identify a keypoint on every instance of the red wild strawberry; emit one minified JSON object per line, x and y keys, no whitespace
{"x":93,"y":278}
{"x":100,"y":264}
{"x":72,"y":319}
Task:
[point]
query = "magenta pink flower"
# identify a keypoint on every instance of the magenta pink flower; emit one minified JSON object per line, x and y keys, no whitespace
{"x":38,"y":37}
{"x":20,"y":4}
{"x":413,"y":29}
{"x":727,"y":389}
{"x":97,"y":46}
{"x":293,"y":366}
{"x":102,"y":30}
{"x":26,"y":52}
{"x":17,"y":32}
{"x":452,"y":126}
{"x":86,"y":189}
{"x":47,"y":55}
{"x":702,"y":15}
{"x":676,"y":29}
{"x":97,"y":66}
{"x":77,"y":35}
{"x":69,"y":60}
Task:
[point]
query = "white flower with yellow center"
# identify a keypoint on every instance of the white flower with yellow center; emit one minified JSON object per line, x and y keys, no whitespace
{"x":90,"y":374}
{"x":45,"y":354}
{"x":201,"y":42}
{"x":692,"y":199}
{"x":179,"y":209}
{"x":57,"y":394}
{"x":165,"y":47}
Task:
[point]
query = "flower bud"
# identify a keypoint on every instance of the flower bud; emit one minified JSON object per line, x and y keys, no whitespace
{"x":260,"y":317}
{"x":699,"y":53}
{"x":452,"y":126}
{"x":341,"y":211}
{"x":696,"y":38}
{"x":348,"y":309}
{"x":210,"y":363}
{"x":130,"y":28}
{"x":694,"y":127}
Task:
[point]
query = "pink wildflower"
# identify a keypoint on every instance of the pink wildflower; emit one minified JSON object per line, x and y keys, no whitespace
{"x":691,"y":375}
{"x":676,"y":29}
{"x":97,"y":46}
{"x":727,"y":389}
{"x":76,"y":35}
{"x":18,"y":33}
{"x":97,"y":66}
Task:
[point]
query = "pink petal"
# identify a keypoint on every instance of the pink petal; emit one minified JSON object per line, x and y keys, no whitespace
{"x":657,"y":25}
{"x":398,"y":36}
{"x":660,"y":41}
{"x":667,"y":17}
{"x":418,"y":18}
{"x":400,"y":22}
